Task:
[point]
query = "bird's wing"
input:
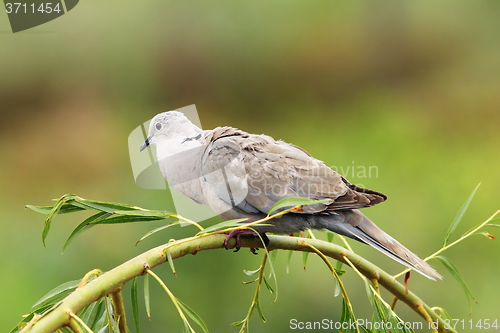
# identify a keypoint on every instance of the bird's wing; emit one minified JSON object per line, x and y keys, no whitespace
{"x":253,"y":172}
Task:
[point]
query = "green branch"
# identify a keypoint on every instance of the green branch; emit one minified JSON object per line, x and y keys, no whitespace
{"x":119,"y":307}
{"x":112,"y":281}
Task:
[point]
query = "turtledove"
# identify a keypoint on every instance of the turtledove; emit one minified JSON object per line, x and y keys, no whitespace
{"x":242,"y":175}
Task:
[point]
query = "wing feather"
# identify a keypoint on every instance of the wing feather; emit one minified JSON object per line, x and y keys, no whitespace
{"x":253,"y":172}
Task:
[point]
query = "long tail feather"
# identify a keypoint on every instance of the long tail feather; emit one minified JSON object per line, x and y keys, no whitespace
{"x":359,"y":227}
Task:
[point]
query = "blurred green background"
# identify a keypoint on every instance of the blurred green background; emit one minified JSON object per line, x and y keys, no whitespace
{"x":409,"y":87}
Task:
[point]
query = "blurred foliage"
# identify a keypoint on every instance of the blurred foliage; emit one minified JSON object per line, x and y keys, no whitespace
{"x":408,"y":87}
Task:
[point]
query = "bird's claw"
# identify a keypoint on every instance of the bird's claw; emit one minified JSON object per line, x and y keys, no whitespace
{"x":236,"y":234}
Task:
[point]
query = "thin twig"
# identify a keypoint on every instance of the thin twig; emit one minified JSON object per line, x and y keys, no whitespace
{"x":87,"y":276}
{"x":119,"y":306}
{"x":74,"y":324}
{"x":172,"y":297}
{"x":446,"y":247}
{"x":255,"y":300}
{"x":341,"y":284}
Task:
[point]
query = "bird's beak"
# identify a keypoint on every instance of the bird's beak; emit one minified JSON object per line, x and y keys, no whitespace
{"x":146,"y":143}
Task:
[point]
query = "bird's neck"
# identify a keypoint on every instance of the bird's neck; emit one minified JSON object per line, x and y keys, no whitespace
{"x":180,"y":141}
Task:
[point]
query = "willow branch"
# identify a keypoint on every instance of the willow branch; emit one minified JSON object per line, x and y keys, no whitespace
{"x":112,"y":281}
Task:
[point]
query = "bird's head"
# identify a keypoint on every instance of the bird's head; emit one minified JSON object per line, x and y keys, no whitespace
{"x":170,"y":125}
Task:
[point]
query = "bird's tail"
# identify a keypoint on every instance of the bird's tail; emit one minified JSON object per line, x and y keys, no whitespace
{"x":359,"y":227}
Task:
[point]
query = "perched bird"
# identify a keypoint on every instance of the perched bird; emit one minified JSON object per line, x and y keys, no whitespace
{"x":242,"y":175}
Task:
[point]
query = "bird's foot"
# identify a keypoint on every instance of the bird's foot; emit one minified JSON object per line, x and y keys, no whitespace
{"x":237,"y":233}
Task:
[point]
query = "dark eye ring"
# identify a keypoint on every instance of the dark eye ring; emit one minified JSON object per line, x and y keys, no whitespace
{"x":158,"y":126}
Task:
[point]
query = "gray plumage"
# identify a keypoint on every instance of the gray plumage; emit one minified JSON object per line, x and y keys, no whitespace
{"x":239,"y":175}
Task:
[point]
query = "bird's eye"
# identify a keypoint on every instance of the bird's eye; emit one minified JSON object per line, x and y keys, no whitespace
{"x":158,"y":126}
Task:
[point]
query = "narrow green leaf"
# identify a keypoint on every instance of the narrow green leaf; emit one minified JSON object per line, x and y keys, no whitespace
{"x":222,"y":225}
{"x":70,"y":207}
{"x":273,"y":255}
{"x":329,"y":236}
{"x":493,"y":225}
{"x":250,"y":273}
{"x":171,"y":262}
{"x":57,"y":293}
{"x":126,"y":219}
{"x":146,"y":296}
{"x":83,"y":226}
{"x":66,"y":208}
{"x":102,"y":321}
{"x":106,"y":206}
{"x":156,"y":230}
{"x":249,"y":282}
{"x":289,"y":257}
{"x":112,"y":323}
{"x":459,"y":216}
{"x":268,"y":286}
{"x":97,"y":314}
{"x":104,"y":329}
{"x":305,"y":255}
{"x":53,"y":213}
{"x":135,"y":305}
{"x":67,"y":198}
{"x":454,"y":272}
{"x":292,"y":202}
{"x":40,"y":209}
{"x":338,"y":267}
{"x":259,"y":310}
{"x":86,"y":313}
{"x":22,"y":323}
{"x":237,"y":323}
{"x":193,"y":315}
{"x":156,"y":213}
{"x":383,"y":313}
{"x":64,"y":330}
{"x":46,"y":308}
{"x":379,"y":315}
{"x":336,"y":288}
{"x":345,"y":315}
{"x":82,"y":206}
